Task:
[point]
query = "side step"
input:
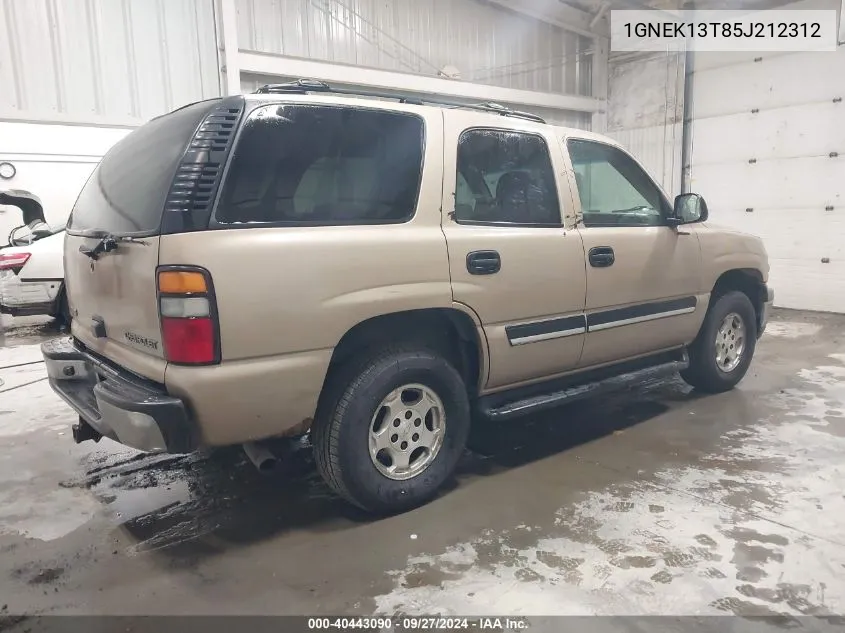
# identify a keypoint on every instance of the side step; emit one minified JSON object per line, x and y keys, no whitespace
{"x":506,"y":406}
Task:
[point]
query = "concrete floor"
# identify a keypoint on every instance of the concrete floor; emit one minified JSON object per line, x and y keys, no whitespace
{"x":654,"y":501}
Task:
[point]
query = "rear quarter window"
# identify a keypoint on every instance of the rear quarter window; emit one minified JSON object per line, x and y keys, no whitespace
{"x":323,"y":165}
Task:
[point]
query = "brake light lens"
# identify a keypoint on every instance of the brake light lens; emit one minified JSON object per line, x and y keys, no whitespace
{"x":188,"y":319}
{"x":14,"y":261}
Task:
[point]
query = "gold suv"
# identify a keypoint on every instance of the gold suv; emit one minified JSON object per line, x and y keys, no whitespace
{"x":381,"y":273}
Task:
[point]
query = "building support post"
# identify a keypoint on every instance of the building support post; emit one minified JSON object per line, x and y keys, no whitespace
{"x":600,"y":79}
{"x":227,"y":31}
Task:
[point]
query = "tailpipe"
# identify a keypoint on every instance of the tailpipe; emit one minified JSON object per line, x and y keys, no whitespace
{"x":260,"y":456}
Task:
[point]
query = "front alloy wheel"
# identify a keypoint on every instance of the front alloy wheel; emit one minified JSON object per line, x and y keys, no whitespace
{"x":722,"y":352}
{"x":730,"y":342}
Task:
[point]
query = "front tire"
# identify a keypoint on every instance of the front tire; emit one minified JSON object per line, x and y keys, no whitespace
{"x":722,"y":352}
{"x":391,"y":429}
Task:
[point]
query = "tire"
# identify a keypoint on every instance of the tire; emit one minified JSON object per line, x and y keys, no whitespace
{"x":705,"y":372}
{"x":63,"y":317}
{"x":352,"y":406}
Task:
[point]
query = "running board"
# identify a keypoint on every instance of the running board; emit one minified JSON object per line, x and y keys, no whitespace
{"x":500,"y":407}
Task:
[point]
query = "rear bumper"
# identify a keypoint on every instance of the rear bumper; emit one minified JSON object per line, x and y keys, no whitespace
{"x":118,"y":404}
{"x":766,"y":311}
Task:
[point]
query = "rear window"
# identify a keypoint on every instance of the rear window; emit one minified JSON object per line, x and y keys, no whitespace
{"x":126,"y":192}
{"x":324,"y":165}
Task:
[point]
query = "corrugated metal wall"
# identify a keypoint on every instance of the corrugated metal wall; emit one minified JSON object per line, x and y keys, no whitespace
{"x":105,"y":61}
{"x":487,"y":44}
{"x":645,"y":112}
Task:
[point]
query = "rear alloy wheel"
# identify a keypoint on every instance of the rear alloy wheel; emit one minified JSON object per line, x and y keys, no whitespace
{"x":722,"y":353}
{"x":390,"y":430}
{"x":407,"y":431}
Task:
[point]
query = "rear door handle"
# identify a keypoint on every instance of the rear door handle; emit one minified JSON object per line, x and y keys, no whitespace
{"x":601,"y":257}
{"x":483,"y":262}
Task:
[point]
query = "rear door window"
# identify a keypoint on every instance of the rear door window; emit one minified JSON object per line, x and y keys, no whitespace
{"x":505,"y":178}
{"x":324,"y":165}
{"x":125,"y":193}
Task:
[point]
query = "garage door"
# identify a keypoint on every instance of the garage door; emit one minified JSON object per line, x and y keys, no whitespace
{"x":769,"y":157}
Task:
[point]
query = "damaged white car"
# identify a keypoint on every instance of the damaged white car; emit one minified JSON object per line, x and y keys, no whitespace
{"x":31,"y":266}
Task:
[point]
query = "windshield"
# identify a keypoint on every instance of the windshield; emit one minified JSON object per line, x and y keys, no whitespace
{"x":126,"y":192}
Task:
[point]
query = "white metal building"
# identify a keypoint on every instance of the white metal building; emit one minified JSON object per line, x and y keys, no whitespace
{"x":767,"y":135}
{"x":75,"y":75}
{"x":767,"y":130}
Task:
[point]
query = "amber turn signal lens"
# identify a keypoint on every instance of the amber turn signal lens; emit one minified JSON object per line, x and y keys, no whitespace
{"x":181,"y":282}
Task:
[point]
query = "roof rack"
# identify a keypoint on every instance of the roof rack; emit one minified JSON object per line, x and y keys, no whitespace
{"x":303,"y":86}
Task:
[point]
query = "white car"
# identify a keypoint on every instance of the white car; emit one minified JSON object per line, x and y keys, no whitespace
{"x":32,"y":276}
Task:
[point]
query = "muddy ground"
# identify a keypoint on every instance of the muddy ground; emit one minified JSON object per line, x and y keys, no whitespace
{"x":655,"y":501}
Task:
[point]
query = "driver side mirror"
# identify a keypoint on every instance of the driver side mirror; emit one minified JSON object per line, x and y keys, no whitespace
{"x":689,"y":208}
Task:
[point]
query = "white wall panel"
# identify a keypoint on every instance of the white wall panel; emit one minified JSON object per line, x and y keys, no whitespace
{"x":51,"y":161}
{"x":721,"y":90}
{"x":772,"y":133}
{"x":770,"y":172}
{"x":488,"y":44}
{"x":785,"y":183}
{"x":645,"y":112}
{"x":105,"y":61}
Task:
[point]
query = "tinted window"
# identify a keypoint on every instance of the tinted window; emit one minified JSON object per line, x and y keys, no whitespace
{"x":324,"y":165}
{"x":505,"y":177}
{"x":126,"y":191}
{"x":614,"y":189}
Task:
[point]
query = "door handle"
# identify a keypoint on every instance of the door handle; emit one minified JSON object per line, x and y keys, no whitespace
{"x":483,"y":262}
{"x":601,"y":257}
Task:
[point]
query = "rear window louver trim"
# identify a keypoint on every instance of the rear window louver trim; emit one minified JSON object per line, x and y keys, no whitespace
{"x":191,"y":196}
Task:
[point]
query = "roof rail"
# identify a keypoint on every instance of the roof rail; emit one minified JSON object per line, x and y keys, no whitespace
{"x":303,"y":86}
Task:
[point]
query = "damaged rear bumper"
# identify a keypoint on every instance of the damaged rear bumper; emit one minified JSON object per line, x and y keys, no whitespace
{"x":116,"y":403}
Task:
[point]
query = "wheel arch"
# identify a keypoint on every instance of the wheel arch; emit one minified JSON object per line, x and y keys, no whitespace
{"x":455,"y":332}
{"x":749,"y":281}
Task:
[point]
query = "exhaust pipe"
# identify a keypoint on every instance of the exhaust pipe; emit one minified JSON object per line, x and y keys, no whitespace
{"x":260,"y":456}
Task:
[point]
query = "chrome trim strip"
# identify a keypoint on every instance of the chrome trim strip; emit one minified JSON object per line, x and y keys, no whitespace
{"x":642,"y":319}
{"x":547,"y":337}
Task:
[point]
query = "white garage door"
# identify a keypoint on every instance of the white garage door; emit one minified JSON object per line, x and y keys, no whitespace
{"x":769,"y":157}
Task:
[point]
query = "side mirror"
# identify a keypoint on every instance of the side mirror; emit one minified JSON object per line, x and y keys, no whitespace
{"x":689,"y":208}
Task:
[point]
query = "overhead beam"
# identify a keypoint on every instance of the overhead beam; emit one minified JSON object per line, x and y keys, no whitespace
{"x":556,"y":12}
{"x":252,"y":62}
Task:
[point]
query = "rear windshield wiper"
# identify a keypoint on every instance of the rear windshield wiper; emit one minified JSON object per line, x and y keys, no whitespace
{"x":107,"y":244}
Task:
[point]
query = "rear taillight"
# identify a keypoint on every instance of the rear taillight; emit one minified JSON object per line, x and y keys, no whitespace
{"x":13,"y":261}
{"x":188,"y":316}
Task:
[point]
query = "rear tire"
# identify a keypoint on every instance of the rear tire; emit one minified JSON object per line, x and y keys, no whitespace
{"x":63,"y":317}
{"x":722,"y":352}
{"x":391,"y":405}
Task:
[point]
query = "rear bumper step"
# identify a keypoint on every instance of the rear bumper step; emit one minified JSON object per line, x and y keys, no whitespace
{"x":497,"y":409}
{"x":117,"y":404}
